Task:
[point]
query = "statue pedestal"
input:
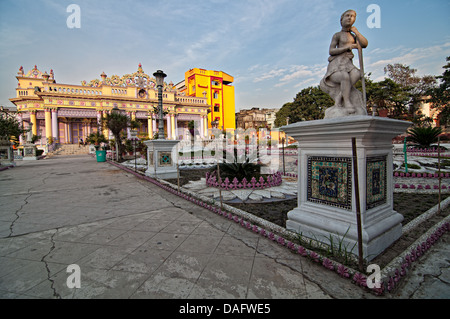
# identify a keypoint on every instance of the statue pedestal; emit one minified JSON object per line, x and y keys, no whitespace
{"x":162,"y":159}
{"x":326,"y":184}
{"x":29,"y":152}
{"x":6,"y":152}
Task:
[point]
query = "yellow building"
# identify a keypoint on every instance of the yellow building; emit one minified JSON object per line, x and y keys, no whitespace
{"x":67,"y":113}
{"x":216,"y":87}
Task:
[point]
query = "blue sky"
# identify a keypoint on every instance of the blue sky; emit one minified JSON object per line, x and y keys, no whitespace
{"x":273,"y":48}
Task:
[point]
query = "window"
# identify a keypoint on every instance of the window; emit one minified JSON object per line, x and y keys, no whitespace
{"x":216,"y":108}
{"x":216,"y":95}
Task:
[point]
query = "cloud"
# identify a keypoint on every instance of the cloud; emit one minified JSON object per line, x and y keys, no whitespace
{"x":269,"y":75}
{"x":300,"y":75}
{"x":421,"y":58}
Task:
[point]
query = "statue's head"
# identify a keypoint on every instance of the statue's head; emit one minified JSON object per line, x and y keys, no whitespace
{"x":351,"y":13}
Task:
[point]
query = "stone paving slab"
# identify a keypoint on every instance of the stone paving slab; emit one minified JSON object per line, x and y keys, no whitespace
{"x":132,"y":239}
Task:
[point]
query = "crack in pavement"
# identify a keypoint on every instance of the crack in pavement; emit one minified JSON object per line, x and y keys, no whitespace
{"x":11,"y":231}
{"x":52,"y":286}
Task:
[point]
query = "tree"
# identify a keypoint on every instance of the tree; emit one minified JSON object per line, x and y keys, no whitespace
{"x":387,"y":94}
{"x":116,"y":122}
{"x":10,"y":126}
{"x":309,"y":104}
{"x":440,"y":95}
{"x":282,"y":115}
{"x":412,"y":89}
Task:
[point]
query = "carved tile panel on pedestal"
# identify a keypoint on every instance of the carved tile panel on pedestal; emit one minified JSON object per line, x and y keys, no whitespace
{"x":165,"y":159}
{"x":330,"y":181}
{"x":376,"y":181}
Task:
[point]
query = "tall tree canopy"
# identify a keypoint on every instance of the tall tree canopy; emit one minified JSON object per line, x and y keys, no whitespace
{"x":309,"y":104}
{"x":440,"y":95}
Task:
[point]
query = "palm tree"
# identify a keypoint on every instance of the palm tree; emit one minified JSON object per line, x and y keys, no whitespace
{"x":116,"y":122}
{"x":424,"y":136}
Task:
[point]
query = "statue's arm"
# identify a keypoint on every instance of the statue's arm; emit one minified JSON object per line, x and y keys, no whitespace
{"x":360,"y":38}
{"x":334,"y":46}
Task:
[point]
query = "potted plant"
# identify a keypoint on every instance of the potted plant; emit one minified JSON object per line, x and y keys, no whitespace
{"x":97,"y":138}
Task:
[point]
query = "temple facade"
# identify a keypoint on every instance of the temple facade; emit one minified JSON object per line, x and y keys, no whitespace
{"x":67,"y":113}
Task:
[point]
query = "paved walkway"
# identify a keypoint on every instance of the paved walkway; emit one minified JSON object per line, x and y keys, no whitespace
{"x":132,"y":239}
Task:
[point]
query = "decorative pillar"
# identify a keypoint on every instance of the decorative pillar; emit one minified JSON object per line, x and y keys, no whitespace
{"x":176,"y":127}
{"x":202,"y":131}
{"x":105,"y":129}
{"x":99,"y":119}
{"x":172,"y":126}
{"x":55,"y":125}
{"x":205,"y":125}
{"x":129,"y":114}
{"x":48,"y":124}
{"x":21,"y":125}
{"x":150,"y":125}
{"x":69,"y":132}
{"x":169,"y":129}
{"x":34,"y":122}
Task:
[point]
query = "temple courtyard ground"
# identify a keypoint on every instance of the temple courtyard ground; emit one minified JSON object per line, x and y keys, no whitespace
{"x":132,"y":239}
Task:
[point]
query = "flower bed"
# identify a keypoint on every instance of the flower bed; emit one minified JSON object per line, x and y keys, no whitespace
{"x":270,"y":181}
{"x":422,"y":175}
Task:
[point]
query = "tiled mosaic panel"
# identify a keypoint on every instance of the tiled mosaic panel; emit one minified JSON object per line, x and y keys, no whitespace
{"x":330,"y":181}
{"x":376,"y":181}
{"x":165,"y":159}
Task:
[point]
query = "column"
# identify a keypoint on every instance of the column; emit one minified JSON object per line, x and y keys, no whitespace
{"x":176,"y":127}
{"x":105,"y":129}
{"x":172,"y":126}
{"x":55,"y":125}
{"x":169,"y":129}
{"x":99,"y":119}
{"x":205,"y":126}
{"x":34,"y":122}
{"x":129,"y":114}
{"x":68,"y":132}
{"x":202,"y":129}
{"x":19,"y":115}
{"x":150,"y":125}
{"x":48,"y":124}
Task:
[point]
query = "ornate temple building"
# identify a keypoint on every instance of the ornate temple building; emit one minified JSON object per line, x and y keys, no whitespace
{"x":67,"y":113}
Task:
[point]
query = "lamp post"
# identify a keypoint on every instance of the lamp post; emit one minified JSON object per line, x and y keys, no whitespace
{"x":160,"y":75}
{"x":161,"y":153}
{"x":116,"y":110}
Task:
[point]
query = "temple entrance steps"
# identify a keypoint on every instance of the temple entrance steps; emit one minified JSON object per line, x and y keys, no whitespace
{"x":69,"y":149}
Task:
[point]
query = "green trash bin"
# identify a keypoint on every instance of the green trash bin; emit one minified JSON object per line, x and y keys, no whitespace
{"x":101,"y":156}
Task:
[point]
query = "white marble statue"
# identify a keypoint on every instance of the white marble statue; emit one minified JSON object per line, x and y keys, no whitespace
{"x":341,"y":74}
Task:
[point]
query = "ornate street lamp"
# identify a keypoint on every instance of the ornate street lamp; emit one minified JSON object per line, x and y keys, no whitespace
{"x":160,"y":75}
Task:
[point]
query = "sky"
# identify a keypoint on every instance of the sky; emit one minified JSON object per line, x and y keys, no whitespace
{"x":272,"y":48}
